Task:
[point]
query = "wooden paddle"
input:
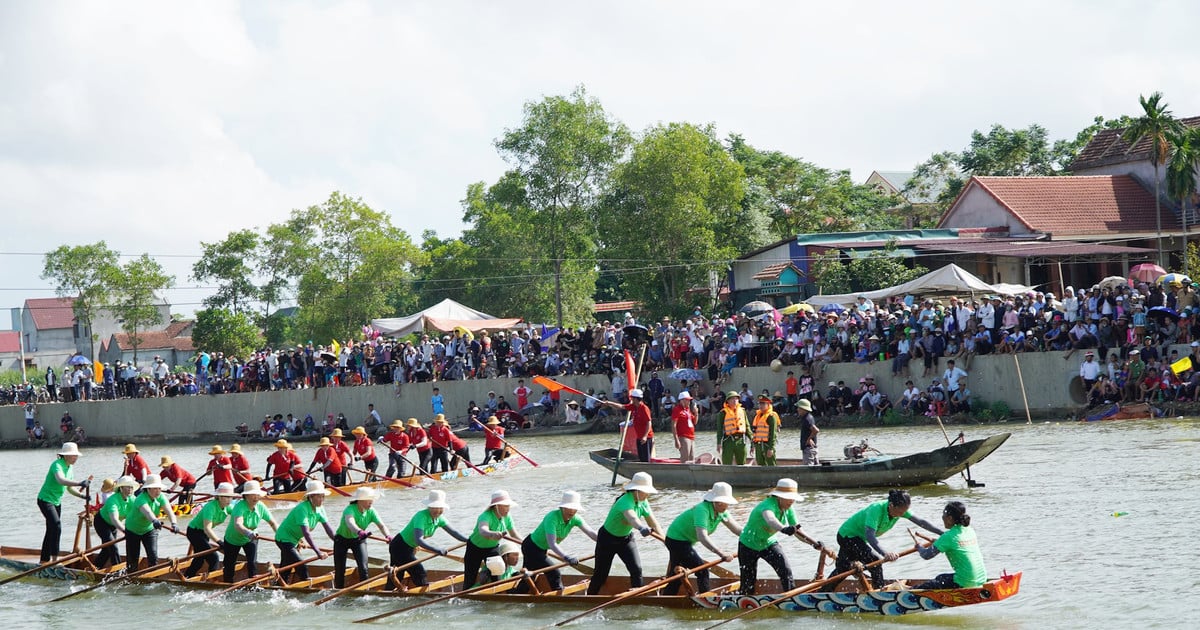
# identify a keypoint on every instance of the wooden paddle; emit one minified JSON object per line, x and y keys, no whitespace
{"x":334,"y":488}
{"x":119,"y":578}
{"x":490,"y":585}
{"x":509,"y":445}
{"x":385,"y":478}
{"x":407,"y":460}
{"x":580,"y":567}
{"x":382,"y":577}
{"x":949,"y":443}
{"x":67,"y":558}
{"x":260,"y":578}
{"x":807,"y":588}
{"x":717,"y":570}
{"x":819,"y":546}
{"x":679,"y":574}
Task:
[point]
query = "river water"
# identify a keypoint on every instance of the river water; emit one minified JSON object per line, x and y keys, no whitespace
{"x":1047,"y":510}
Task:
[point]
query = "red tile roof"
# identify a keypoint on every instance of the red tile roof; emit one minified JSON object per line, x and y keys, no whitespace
{"x":1072,"y":205}
{"x":609,"y":307}
{"x":51,"y":313}
{"x":10,"y":342}
{"x":771,"y":272}
{"x":1024,"y":248}
{"x":1107,"y":147}
{"x":160,"y":339}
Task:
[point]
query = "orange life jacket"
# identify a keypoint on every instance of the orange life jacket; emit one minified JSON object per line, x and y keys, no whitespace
{"x":762,"y":424}
{"x":735,"y":422}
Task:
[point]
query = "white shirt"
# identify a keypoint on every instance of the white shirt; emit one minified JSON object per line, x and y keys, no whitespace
{"x":986,"y":315}
{"x":912,"y":393}
{"x":1089,"y":370}
{"x":951,"y":377}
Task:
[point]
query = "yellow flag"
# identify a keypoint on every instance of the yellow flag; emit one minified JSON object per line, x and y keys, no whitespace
{"x":337,"y":347}
{"x":1182,"y":365}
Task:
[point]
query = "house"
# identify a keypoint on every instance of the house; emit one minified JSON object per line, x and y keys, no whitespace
{"x":781,"y":280}
{"x":10,"y":350}
{"x":51,"y":333}
{"x":1108,"y":154}
{"x":173,"y":344}
{"x":922,"y":202}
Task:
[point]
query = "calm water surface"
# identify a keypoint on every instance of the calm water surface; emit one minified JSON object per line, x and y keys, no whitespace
{"x":1047,"y":509}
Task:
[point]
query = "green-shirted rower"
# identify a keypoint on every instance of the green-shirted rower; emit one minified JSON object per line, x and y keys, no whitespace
{"x":352,"y":533}
{"x":553,"y":529}
{"x":143,"y":521}
{"x":630,"y":511}
{"x":857,"y":537}
{"x":201,"y":531}
{"x":773,"y":515}
{"x":961,"y":548}
{"x":296,"y":529}
{"x":241,"y":535}
{"x":695,"y":526}
{"x":110,"y":520}
{"x":49,"y":499}
{"x":421,"y":526}
{"x":490,"y":528}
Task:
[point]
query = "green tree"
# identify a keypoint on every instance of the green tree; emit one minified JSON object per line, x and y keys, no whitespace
{"x":1065,"y":151}
{"x":1008,"y":152}
{"x":1181,"y":177}
{"x":669,"y":213}
{"x":829,"y":273}
{"x":287,"y":251}
{"x":563,"y":152}
{"x":1157,"y":125}
{"x":882,"y":268}
{"x":227,"y":331}
{"x":230,"y":264}
{"x":134,"y":296}
{"x":449,"y":270}
{"x":86,"y":273}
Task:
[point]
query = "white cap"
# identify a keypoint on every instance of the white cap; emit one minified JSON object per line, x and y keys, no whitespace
{"x":500,"y":497}
{"x":69,"y":448}
{"x":225,"y":490}
{"x":152,"y":481}
{"x":253,"y":487}
{"x":495,"y":565}
{"x":125,"y":482}
{"x":635,"y":393}
{"x":684,"y":395}
{"x":315,"y":486}
{"x":570,"y":501}
{"x":721,"y":493}
{"x":363,"y":493}
{"x":508,"y":547}
{"x":786,"y":489}
{"x":643,"y":482}
{"x":436,"y":499}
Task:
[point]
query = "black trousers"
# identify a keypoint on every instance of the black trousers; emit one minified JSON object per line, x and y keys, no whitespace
{"x":230,"y":552}
{"x":682,"y":553}
{"x":645,"y":449}
{"x":371,"y":465}
{"x":748,"y":563}
{"x":280,"y":485}
{"x":343,"y":546}
{"x":135,"y":543}
{"x":942,"y":581}
{"x":536,"y":559}
{"x":401,"y":554}
{"x":200,"y":542}
{"x":395,"y":464}
{"x":288,"y":554}
{"x":608,"y":546}
{"x":439,"y":459}
{"x":335,"y":479}
{"x":851,"y":550}
{"x":108,"y":555}
{"x":50,"y":542}
{"x":463,"y":453}
{"x":492,"y":453}
{"x":473,"y":557}
{"x":424,"y":456}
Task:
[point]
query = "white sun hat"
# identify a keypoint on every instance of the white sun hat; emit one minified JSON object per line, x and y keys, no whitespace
{"x":152,"y":481}
{"x":508,"y":547}
{"x":436,"y":499}
{"x":500,"y":497}
{"x":125,"y":482}
{"x":721,"y":493}
{"x":635,"y":393}
{"x":225,"y":490}
{"x":643,"y":482}
{"x":253,"y":487}
{"x":315,"y":486}
{"x":364,"y":494}
{"x":69,"y":448}
{"x":685,"y":395}
{"x":570,"y":501}
{"x":786,"y":489}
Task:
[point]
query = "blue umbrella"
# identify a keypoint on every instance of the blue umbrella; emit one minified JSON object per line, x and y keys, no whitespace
{"x":833,"y":308}
{"x":1164,"y":312}
{"x":685,"y":374}
{"x":79,"y":359}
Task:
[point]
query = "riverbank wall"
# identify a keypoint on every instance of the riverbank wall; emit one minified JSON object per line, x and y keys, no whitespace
{"x":1051,"y":386}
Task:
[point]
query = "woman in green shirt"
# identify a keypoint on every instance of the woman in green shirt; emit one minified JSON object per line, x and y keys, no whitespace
{"x":961,"y":548}
{"x":352,"y":533}
{"x":490,"y":529}
{"x":553,"y":529}
{"x":615,"y":537}
{"x":774,"y":515}
{"x":111,"y":519}
{"x":421,"y":526}
{"x":143,"y":521}
{"x":49,"y":498}
{"x":297,"y":527}
{"x":694,"y":526}
{"x":200,"y":531}
{"x":241,"y":535}
{"x":857,"y":537}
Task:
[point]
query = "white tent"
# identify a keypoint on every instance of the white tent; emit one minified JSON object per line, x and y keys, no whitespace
{"x":948,"y":280}
{"x":445,"y":316}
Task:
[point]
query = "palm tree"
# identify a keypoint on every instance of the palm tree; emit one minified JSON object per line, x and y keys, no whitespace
{"x":1181,"y":175}
{"x":1157,"y":124}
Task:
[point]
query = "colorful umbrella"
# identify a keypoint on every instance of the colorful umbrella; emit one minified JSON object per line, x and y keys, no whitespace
{"x":792,"y":309}
{"x":1174,"y":278}
{"x":1146,"y":272}
{"x":1163,"y":312}
{"x":78,"y":359}
{"x":1113,"y":282}
{"x":686,"y":374}
{"x":755,"y":308}
{"x":833,"y":308}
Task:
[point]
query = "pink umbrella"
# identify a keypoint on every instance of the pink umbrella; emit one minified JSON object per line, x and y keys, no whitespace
{"x":1146,"y":272}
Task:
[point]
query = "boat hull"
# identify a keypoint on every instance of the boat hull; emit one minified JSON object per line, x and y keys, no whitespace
{"x":19,"y":560}
{"x":909,"y":470}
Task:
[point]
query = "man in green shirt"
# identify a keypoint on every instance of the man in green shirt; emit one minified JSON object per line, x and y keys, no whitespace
{"x":422,"y":525}
{"x":143,"y":521}
{"x":961,"y":548}
{"x":297,"y":526}
{"x":695,"y":526}
{"x":553,"y":529}
{"x":111,"y":519}
{"x":49,"y":500}
{"x":201,"y":532}
{"x":773,"y":515}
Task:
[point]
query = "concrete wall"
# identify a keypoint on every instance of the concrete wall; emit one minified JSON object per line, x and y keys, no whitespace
{"x":1048,"y":384}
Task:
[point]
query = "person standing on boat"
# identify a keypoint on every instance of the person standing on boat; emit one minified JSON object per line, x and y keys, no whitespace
{"x":352,"y":533}
{"x":493,"y":444}
{"x":241,"y":535}
{"x":858,"y":536}
{"x":142,"y":523}
{"x":630,"y":511}
{"x":110,"y":520}
{"x":296,"y":529}
{"x":439,"y":440}
{"x":961,"y":548}
{"x":201,"y":532}
{"x":284,"y":468}
{"x":219,"y":466}
{"x":642,"y":427}
{"x":241,"y":466}
{"x":418,"y":440}
{"x":343,"y":450}
{"x":179,"y":478}
{"x":773,"y":515}
{"x":134,"y":465}
{"x":764,"y":431}
{"x":554,"y":528}
{"x":695,"y":526}
{"x":683,"y":426}
{"x":420,"y":527}
{"x":330,"y":462}
{"x":808,"y":433}
{"x":459,"y":451}
{"x":731,"y":433}
{"x":490,"y":528}
{"x":49,"y":498}
{"x":396,"y":441}
{"x":364,"y":451}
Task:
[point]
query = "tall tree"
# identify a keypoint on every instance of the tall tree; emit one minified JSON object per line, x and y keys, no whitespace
{"x":230,"y":264}
{"x":1008,"y":152}
{"x":563,"y":151}
{"x":223,"y":330}
{"x":86,"y":273}
{"x":669,"y":213}
{"x":287,"y":250}
{"x":1157,"y":125}
{"x":134,"y":296}
{"x":1181,"y":177}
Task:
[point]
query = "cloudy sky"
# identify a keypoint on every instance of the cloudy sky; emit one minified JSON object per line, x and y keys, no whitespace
{"x":156,"y":125}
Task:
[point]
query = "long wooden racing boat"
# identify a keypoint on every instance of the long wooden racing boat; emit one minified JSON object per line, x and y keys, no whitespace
{"x":463,"y":471}
{"x":896,"y":598}
{"x":561,"y":429}
{"x":1135,"y":411}
{"x":877,"y":471}
{"x":21,"y":559}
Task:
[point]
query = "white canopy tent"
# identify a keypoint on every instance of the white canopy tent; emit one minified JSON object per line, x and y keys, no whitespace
{"x":445,"y":316}
{"x":948,"y":280}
